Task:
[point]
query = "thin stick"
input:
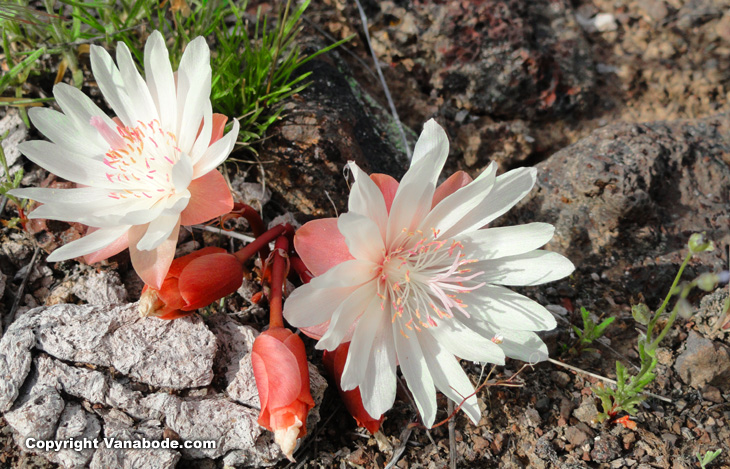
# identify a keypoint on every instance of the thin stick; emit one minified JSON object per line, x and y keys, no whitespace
{"x":603,"y":378}
{"x":391,"y":104}
{"x":232,"y":234}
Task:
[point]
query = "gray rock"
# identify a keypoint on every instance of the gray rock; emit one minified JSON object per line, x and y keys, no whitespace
{"x":704,"y":362}
{"x":100,"y":288}
{"x":605,"y":448}
{"x":625,"y":200}
{"x":15,"y":361}
{"x":36,"y":394}
{"x":13,"y":124}
{"x":587,"y":412}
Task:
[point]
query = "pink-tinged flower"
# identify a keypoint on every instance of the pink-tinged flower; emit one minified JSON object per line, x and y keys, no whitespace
{"x":335,"y":364}
{"x":142,"y":174}
{"x":282,"y":378}
{"x":194,"y":281}
{"x":409,"y":276}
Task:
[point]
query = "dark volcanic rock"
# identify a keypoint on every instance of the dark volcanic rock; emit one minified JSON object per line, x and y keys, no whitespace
{"x":704,"y":362}
{"x":332,"y":122}
{"x":625,"y":199}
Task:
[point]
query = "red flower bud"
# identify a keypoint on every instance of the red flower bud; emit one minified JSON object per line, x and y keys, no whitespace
{"x":282,"y":378}
{"x":335,"y":364}
{"x":193,"y":281}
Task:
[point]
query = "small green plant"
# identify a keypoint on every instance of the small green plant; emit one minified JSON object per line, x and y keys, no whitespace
{"x":627,"y":394}
{"x":9,"y":184}
{"x":708,"y":457}
{"x":589,"y":333}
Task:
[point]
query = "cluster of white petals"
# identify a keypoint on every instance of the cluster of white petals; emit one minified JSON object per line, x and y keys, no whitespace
{"x":138,"y":173}
{"x":422,"y":282}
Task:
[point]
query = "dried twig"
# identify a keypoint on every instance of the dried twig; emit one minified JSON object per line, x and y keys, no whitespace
{"x":452,"y":436}
{"x":603,"y":378}
{"x":21,"y":289}
{"x":232,"y":234}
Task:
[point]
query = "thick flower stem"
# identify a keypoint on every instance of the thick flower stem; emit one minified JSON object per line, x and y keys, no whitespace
{"x":254,"y":221}
{"x":279,"y":270}
{"x":263,"y":241}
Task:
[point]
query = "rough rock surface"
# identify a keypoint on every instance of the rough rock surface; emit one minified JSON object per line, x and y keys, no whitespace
{"x":13,"y":125}
{"x":111,"y":390}
{"x":704,"y":362}
{"x":331,"y":124}
{"x":625,"y":200}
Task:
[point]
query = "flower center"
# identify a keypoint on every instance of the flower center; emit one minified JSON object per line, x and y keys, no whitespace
{"x":425,"y":278}
{"x":140,"y":159}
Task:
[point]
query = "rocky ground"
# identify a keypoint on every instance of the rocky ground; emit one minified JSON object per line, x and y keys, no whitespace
{"x":619,"y":104}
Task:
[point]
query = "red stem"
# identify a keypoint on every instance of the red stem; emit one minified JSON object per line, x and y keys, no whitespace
{"x":254,"y":221}
{"x":298,"y":266}
{"x":262,"y":242}
{"x":278,"y":276}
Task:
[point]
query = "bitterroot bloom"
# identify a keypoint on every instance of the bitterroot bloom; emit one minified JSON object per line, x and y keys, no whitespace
{"x":142,"y":174}
{"x":412,"y":278}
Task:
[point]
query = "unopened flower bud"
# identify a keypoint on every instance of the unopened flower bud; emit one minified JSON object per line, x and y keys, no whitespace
{"x":698,"y":242}
{"x":684,"y":308}
{"x":282,"y":378}
{"x":641,"y":313}
{"x":707,"y":281}
{"x":194,"y":281}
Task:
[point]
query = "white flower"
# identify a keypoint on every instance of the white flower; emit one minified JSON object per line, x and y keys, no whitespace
{"x":142,"y":174}
{"x":409,"y":276}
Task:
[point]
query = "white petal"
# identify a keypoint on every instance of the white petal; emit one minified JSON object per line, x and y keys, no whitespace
{"x":366,"y":198}
{"x":378,"y":387}
{"x":82,"y":195}
{"x":112,"y":85}
{"x":463,"y":342}
{"x":415,"y":370}
{"x":65,"y":131}
{"x":182,"y":174}
{"x":457,"y":205}
{"x":65,"y":164}
{"x":523,"y":345}
{"x":530,"y":268}
{"x":216,"y":153}
{"x":139,"y":94}
{"x":81,"y":109}
{"x":158,"y":231}
{"x":493,"y":243}
{"x":361,"y":346}
{"x":449,"y":377}
{"x":509,"y":188}
{"x":362,"y":236}
{"x":309,"y":306}
{"x":203,"y":140}
{"x":413,"y":199}
{"x":361,"y":300}
{"x":346,"y":274}
{"x":90,"y":243}
{"x":504,"y":308}
{"x":160,"y":80}
{"x":193,"y":91}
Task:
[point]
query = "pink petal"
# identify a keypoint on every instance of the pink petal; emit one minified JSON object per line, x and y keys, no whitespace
{"x":281,"y":369}
{"x":316,"y":332}
{"x":219,"y":123}
{"x":209,"y":278}
{"x":455,"y":182}
{"x":387,"y":185}
{"x":152,"y":266}
{"x":210,"y":197}
{"x":321,"y":245}
{"x":114,"y":248}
